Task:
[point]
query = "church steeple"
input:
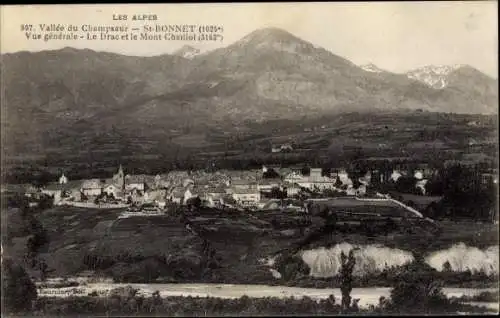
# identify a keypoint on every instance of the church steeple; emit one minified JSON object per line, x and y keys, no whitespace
{"x":63,"y":179}
{"x":119,"y":178}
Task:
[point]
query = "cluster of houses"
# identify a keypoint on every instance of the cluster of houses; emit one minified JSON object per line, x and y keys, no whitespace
{"x":244,"y":188}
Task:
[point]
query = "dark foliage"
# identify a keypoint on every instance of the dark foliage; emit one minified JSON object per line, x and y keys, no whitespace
{"x":407,"y":184}
{"x":46,"y":202}
{"x":464,"y":194}
{"x":306,"y":170}
{"x":292,"y":267}
{"x":127,"y":303}
{"x":417,"y":291}
{"x":18,"y":291}
{"x":276,"y":193}
{"x":194,"y":203}
{"x":270,"y":174}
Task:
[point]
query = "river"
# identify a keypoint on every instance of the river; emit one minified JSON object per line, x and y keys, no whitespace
{"x":367,"y":296}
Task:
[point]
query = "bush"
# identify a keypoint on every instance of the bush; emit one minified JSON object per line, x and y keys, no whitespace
{"x":18,"y":291}
{"x":292,"y":267}
{"x":417,"y":291}
{"x":447,"y":267}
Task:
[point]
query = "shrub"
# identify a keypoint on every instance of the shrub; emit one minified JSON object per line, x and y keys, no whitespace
{"x":447,"y":267}
{"x":417,"y":291}
{"x":18,"y":291}
{"x":292,"y":267}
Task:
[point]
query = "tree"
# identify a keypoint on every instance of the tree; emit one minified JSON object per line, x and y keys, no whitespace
{"x":41,"y":178}
{"x":464,"y":195}
{"x":435,"y":187}
{"x":276,"y":193}
{"x":194,"y":203}
{"x":416,"y":291}
{"x":84,"y":197}
{"x":355,"y":183}
{"x":447,"y":267}
{"x":347,"y":267}
{"x":406,"y":184}
{"x":326,"y":171}
{"x":306,"y":170}
{"x":270,"y":174}
{"x":338,"y":183}
{"x":46,"y":202}
{"x":291,"y":267}
{"x":43,"y":268}
{"x":432,"y":210}
{"x":18,"y":291}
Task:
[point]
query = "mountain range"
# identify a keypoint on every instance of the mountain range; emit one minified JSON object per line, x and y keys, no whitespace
{"x":50,"y":96}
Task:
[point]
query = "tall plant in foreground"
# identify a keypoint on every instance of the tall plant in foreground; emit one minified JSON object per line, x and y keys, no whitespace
{"x":346,"y":270}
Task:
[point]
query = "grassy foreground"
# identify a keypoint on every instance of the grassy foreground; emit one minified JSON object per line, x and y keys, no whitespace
{"x":209,"y":306}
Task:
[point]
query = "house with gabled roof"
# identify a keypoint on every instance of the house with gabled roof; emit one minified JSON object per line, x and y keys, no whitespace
{"x":242,"y":184}
{"x":291,"y":189}
{"x":55,"y":190}
{"x":112,"y":190}
{"x":92,"y":187}
{"x":160,"y":181}
{"x":135,"y":182}
{"x":212,"y":193}
{"x":246,"y":196}
{"x":32,"y":191}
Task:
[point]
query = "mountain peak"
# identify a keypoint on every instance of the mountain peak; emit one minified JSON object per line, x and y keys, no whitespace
{"x":270,"y":34}
{"x":273,"y":39}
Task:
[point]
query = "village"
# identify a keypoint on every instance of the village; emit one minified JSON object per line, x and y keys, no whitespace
{"x":247,"y":189}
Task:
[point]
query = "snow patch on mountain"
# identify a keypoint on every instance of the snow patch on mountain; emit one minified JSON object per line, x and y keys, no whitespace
{"x":372,"y":68}
{"x":434,"y":76}
{"x":187,"y":51}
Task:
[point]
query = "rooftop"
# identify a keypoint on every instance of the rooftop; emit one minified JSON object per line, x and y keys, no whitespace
{"x":269,"y":181}
{"x":245,"y":191}
{"x":242,"y":182}
{"x":91,"y":184}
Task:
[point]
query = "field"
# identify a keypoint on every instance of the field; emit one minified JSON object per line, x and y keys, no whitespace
{"x":217,"y":246}
{"x":332,"y":139}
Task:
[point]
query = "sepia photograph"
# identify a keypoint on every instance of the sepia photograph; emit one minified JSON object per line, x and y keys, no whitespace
{"x":249,"y":159}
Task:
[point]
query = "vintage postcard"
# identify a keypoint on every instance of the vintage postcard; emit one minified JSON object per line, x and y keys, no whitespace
{"x":249,"y":159}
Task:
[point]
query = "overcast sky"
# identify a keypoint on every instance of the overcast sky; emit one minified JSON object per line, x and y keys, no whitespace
{"x":394,"y":36}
